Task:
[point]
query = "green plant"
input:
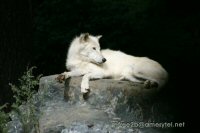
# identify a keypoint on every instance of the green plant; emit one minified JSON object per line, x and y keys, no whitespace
{"x":24,"y":106}
{"x":4,"y":118}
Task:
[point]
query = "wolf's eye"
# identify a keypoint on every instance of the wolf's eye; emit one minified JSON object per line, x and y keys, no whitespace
{"x":94,"y":48}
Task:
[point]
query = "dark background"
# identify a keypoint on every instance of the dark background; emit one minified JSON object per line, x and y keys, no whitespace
{"x":38,"y":33}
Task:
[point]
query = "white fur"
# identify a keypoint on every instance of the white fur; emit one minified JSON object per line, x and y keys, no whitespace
{"x":83,"y":60}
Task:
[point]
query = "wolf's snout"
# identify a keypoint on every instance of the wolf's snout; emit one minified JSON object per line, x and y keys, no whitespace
{"x":104,"y":60}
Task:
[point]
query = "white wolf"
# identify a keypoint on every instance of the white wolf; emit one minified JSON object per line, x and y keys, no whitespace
{"x":86,"y":59}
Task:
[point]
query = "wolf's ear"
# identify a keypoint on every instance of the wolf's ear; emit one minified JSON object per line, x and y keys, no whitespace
{"x":84,"y":37}
{"x":98,"y":37}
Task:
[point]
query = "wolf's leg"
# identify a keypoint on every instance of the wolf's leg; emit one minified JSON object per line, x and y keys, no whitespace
{"x":75,"y":73}
{"x":86,"y":79}
{"x":133,"y":79}
{"x":66,"y":75}
{"x":127,"y":74}
{"x":148,"y":82}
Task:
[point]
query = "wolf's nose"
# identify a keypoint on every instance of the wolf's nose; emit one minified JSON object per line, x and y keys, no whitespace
{"x":104,"y":60}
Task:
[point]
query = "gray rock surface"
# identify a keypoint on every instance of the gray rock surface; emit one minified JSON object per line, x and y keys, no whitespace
{"x":105,"y":90}
{"x":115,"y":97}
{"x":110,"y":107}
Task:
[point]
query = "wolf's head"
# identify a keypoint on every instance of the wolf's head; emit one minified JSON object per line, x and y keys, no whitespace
{"x":90,"y":48}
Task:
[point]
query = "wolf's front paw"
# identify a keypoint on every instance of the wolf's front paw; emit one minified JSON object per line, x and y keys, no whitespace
{"x":62,"y":77}
{"x":84,"y":87}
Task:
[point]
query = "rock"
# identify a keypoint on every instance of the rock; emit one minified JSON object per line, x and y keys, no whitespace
{"x":104,"y":91}
{"x":115,"y":97}
{"x":110,"y":107}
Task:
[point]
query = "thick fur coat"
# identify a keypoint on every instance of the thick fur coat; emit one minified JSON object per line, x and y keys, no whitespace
{"x":85,"y":58}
